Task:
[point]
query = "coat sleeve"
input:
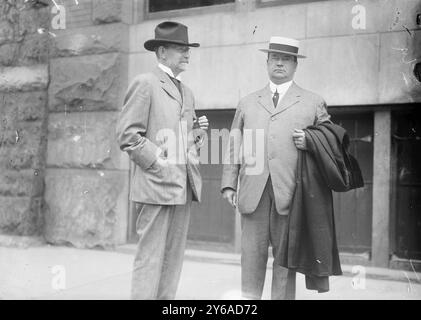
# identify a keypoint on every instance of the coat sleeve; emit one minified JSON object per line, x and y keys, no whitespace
{"x":321,"y":113}
{"x":133,"y":123}
{"x":233,"y":152}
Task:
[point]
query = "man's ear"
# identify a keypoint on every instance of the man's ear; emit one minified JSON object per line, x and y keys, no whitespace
{"x":161,"y":51}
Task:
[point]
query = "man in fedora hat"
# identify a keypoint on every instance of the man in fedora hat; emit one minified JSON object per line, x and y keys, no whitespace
{"x":280,"y":110}
{"x":155,"y":128}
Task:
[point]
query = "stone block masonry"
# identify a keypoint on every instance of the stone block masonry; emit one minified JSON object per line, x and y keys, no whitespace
{"x":23,"y":117}
{"x":87,"y":176}
{"x":62,"y":176}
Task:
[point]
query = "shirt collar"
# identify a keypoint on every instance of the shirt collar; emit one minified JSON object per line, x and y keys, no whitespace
{"x":282,"y":88}
{"x":168,"y":71}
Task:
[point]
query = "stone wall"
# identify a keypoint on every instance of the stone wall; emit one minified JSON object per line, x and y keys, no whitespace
{"x":62,"y":177}
{"x":23,"y":112}
{"x":87,"y":176}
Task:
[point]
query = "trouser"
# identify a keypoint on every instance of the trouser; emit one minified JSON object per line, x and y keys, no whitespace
{"x":259,"y":229}
{"x":162,"y":231}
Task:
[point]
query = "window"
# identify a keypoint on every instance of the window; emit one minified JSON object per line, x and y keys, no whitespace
{"x":165,"y":5}
{"x":264,"y":3}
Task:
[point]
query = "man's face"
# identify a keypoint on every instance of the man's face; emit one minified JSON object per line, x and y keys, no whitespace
{"x":281,"y":67}
{"x":176,"y":57}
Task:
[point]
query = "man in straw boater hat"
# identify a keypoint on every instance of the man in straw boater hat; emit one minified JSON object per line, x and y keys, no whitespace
{"x":281,"y":109}
{"x":155,"y":128}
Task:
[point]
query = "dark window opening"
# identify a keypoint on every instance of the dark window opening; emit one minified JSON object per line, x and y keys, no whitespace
{"x":353,"y":209}
{"x":165,"y":5}
{"x":213,"y":219}
{"x":406,"y":142}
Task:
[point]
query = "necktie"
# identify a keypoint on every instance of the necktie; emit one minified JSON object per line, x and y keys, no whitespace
{"x":275,"y":98}
{"x":177,"y":84}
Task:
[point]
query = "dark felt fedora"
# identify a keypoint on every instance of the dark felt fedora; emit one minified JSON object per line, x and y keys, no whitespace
{"x":169,"y":32}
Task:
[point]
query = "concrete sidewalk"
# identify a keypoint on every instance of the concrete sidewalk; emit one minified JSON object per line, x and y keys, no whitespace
{"x":50,"y":272}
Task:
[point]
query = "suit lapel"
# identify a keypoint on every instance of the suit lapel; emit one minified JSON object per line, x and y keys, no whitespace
{"x":168,"y":86}
{"x":291,"y":97}
{"x":265,"y":99}
{"x":183,"y":99}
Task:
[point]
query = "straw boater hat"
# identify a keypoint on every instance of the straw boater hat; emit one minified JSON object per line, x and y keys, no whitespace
{"x":169,"y":32}
{"x":284,"y":45}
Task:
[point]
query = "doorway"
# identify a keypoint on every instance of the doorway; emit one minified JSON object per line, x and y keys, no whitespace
{"x":212,"y":222}
{"x":406,"y":202}
{"x":353,"y":209}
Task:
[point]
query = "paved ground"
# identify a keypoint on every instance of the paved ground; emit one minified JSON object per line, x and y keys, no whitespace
{"x":49,"y":272}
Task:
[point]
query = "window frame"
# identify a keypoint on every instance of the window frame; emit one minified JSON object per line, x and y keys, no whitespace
{"x":187,"y":11}
{"x":273,"y":3}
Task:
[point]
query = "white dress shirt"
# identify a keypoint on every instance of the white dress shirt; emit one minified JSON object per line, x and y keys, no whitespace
{"x":281,"y":88}
{"x":168,"y":71}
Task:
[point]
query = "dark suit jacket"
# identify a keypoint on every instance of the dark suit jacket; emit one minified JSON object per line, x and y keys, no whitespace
{"x":311,"y":248}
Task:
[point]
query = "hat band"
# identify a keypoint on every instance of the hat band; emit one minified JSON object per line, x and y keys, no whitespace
{"x":283,"y":47}
{"x":172,"y":40}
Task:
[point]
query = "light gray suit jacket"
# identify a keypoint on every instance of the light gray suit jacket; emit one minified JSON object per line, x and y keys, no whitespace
{"x":155,"y":129}
{"x":298,"y":109}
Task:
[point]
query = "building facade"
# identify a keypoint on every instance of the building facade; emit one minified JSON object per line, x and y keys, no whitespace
{"x":362,"y":57}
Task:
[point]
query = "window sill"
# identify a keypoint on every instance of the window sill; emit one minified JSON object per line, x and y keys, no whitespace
{"x":273,"y":3}
{"x":190,"y":11}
